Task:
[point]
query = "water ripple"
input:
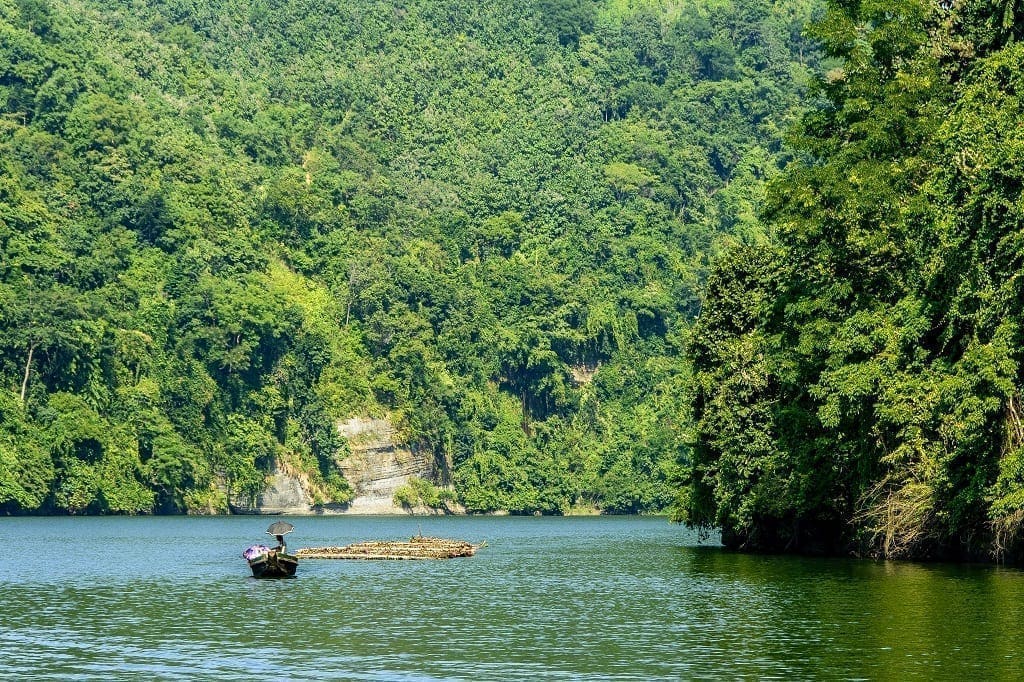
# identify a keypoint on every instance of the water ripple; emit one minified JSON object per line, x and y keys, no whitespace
{"x":548,"y":599}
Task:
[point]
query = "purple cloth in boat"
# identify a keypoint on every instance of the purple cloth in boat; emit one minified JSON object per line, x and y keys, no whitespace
{"x":255,"y":551}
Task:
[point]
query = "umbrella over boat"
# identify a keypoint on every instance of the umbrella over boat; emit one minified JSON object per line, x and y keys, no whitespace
{"x":267,"y":562}
{"x":279,"y":528}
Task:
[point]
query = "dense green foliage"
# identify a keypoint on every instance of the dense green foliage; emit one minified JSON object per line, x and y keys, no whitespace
{"x":858,"y":369}
{"x":226,"y":225}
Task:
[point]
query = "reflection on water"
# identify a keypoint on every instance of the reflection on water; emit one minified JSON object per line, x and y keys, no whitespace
{"x":549,"y":598}
{"x":870,"y":620}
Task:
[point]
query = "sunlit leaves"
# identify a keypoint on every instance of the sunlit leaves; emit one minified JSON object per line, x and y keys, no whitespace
{"x":890,"y":347}
{"x":225,"y":227}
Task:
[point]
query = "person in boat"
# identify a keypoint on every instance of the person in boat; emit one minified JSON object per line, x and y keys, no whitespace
{"x":279,"y":529}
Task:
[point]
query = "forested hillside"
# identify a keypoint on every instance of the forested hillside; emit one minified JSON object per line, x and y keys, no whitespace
{"x":858,"y":371}
{"x":225,"y":226}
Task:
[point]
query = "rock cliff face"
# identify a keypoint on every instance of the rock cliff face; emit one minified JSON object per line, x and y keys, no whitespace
{"x":283,"y":495}
{"x":376,"y":466}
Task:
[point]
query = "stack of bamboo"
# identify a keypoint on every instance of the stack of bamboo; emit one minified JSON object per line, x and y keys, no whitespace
{"x":418,"y":547}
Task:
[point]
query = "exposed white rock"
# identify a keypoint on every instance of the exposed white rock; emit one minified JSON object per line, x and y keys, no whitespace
{"x":284,"y":494}
{"x":378,"y":465}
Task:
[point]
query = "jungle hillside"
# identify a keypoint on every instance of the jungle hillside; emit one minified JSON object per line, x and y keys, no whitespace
{"x":227,"y":226}
{"x":858,"y":368}
{"x":757,"y":262}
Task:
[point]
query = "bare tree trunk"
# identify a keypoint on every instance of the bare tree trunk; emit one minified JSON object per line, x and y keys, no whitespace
{"x":1015,"y":425}
{"x":28,"y":369}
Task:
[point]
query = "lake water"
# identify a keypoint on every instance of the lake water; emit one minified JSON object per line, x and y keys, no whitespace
{"x":576,"y":598}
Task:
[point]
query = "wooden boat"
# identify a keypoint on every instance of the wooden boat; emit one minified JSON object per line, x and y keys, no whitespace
{"x":274,"y":564}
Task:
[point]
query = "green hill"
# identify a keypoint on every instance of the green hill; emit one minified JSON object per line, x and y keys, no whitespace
{"x":226,"y":226}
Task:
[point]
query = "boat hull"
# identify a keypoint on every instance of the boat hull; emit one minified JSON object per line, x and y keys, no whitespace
{"x":274,"y":565}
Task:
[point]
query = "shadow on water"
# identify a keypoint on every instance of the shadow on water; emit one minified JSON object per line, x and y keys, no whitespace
{"x":865,"y":619}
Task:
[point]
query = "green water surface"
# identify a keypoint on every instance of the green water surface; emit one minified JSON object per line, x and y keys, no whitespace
{"x":621,"y":598}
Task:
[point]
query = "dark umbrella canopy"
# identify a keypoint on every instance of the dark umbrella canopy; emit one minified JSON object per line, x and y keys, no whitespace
{"x":280,"y":528}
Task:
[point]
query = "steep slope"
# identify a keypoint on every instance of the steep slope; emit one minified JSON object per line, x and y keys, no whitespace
{"x":227,"y":226}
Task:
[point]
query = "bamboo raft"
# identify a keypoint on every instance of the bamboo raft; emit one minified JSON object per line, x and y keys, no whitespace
{"x":418,"y":547}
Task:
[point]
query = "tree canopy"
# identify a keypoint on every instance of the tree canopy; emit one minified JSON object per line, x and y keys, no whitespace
{"x":227,"y":226}
{"x":858,"y":368}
